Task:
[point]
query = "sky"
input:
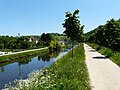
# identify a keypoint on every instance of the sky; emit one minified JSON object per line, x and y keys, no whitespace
{"x":34,"y":17}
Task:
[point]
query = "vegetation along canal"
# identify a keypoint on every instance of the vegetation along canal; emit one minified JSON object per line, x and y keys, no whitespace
{"x":20,"y":70}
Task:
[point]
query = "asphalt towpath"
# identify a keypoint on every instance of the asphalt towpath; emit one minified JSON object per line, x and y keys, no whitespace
{"x":103,"y":73}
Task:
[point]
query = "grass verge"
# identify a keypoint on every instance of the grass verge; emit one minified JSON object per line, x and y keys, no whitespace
{"x":64,"y":74}
{"x":20,"y":55}
{"x":114,"y":56}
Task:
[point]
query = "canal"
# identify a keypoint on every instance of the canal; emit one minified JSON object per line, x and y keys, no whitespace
{"x":11,"y":71}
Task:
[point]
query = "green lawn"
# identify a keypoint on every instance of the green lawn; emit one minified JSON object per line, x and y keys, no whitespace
{"x":65,"y":74}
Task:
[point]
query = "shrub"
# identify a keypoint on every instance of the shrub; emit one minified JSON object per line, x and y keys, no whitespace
{"x":54,"y":46}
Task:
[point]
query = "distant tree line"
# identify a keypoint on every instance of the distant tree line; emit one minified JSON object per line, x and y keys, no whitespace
{"x":30,"y":42}
{"x":9,"y":42}
{"x":107,"y":35}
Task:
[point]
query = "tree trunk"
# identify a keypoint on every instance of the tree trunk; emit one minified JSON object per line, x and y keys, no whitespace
{"x":72,"y":50}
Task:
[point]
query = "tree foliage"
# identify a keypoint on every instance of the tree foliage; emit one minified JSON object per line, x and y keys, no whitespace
{"x":29,"y":42}
{"x":73,"y":28}
{"x":107,"y":35}
{"x":54,"y":46}
{"x":23,"y":42}
{"x":47,"y":38}
{"x":7,"y":42}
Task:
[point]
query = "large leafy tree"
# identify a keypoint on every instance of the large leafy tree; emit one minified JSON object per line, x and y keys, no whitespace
{"x":47,"y":38}
{"x":112,"y":33}
{"x":73,"y":28}
{"x":107,"y":35}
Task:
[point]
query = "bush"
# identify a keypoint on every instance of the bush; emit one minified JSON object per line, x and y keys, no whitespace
{"x":54,"y":46}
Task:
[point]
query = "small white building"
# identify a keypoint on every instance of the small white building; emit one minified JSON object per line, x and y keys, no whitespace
{"x":62,"y":42}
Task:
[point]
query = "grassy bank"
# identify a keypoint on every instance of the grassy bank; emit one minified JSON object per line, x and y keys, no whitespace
{"x":64,"y":74}
{"x":114,"y":56}
{"x":20,"y":55}
{"x":26,"y":59}
{"x":11,"y":50}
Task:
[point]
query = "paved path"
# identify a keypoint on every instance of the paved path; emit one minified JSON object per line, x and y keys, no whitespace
{"x":104,"y":74}
{"x":24,"y":51}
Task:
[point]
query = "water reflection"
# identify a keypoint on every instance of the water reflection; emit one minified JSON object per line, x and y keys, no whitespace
{"x":46,"y":57}
{"x":25,"y":62}
{"x":19,"y":69}
{"x":2,"y":69}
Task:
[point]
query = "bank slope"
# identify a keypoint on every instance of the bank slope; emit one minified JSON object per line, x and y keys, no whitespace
{"x":65,"y":74}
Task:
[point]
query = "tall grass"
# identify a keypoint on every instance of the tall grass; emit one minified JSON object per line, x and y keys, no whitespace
{"x":64,"y":74}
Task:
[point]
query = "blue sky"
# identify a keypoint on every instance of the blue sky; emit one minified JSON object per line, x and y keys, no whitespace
{"x":34,"y":17}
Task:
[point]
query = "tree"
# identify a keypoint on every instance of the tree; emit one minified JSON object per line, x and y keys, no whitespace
{"x":100,"y":36}
{"x":73,"y":28}
{"x":107,"y":35}
{"x":11,"y":44}
{"x":40,"y":44}
{"x":1,"y":46}
{"x":54,"y":46}
{"x":80,"y":37}
{"x":43,"y":37}
{"x":47,"y":38}
{"x":112,"y":31}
